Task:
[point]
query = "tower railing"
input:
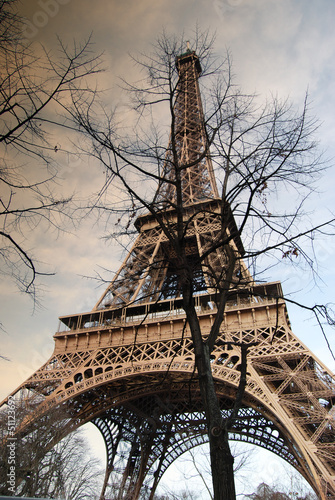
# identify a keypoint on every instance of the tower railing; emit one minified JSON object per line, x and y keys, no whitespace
{"x":257,"y":295}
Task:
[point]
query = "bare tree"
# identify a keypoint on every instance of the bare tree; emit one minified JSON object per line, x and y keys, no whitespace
{"x":35,"y":88}
{"x":46,"y":462}
{"x":66,"y":471}
{"x":258,"y":151}
{"x":196,"y":464}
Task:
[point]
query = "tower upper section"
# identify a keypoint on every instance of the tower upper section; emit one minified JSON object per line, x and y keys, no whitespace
{"x":187,"y":156}
{"x":187,"y":214}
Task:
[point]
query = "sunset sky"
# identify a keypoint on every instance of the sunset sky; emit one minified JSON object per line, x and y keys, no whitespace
{"x":284,"y":47}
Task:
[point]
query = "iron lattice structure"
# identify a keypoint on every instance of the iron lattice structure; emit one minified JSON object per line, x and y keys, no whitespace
{"x":128,"y":365}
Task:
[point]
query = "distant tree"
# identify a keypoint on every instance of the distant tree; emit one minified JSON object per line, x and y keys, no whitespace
{"x":66,"y":472}
{"x":181,"y":495}
{"x":198,"y":465}
{"x":44,"y":462}
{"x":266,"y":492}
{"x":114,"y":492}
{"x":35,"y":89}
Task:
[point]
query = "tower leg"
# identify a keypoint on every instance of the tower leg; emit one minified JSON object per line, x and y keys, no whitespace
{"x":105,"y":483}
{"x":138,"y":461}
{"x":112,"y":435}
{"x":157,"y":474}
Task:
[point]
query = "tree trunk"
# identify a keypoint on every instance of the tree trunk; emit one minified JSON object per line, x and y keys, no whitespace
{"x":222,"y":465}
{"x":222,"y":461}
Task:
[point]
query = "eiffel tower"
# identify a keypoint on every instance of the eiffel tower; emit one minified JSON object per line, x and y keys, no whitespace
{"x":127,"y":366}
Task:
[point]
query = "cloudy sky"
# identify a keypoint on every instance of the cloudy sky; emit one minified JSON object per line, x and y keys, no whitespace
{"x":282,"y":47}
